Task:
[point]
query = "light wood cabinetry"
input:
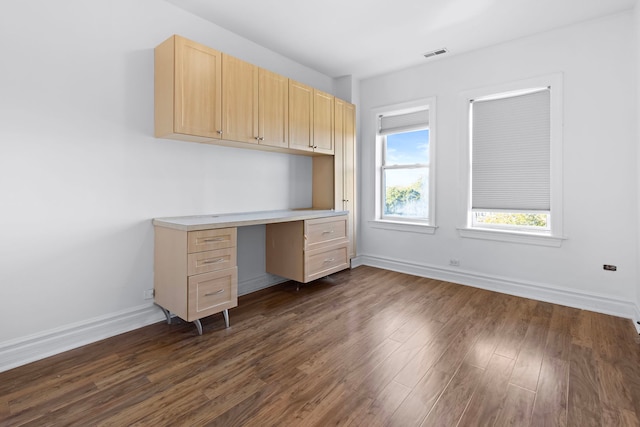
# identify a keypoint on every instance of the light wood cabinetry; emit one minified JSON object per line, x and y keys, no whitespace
{"x":188,"y":84}
{"x":239,"y":100}
{"x":195,"y":273}
{"x":273,"y":117}
{"x":307,"y":250}
{"x":334,"y":178}
{"x":254,"y":104}
{"x":311,"y":115}
{"x":345,"y":166}
{"x":203,"y":95}
{"x":323,"y":118}
{"x":300,"y":116}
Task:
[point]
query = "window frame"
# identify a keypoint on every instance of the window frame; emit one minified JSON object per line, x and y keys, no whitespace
{"x":398,"y":223}
{"x":553,"y":236}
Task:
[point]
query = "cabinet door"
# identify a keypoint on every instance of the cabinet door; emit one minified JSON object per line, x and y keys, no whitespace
{"x":300,"y":116}
{"x":349,"y":173}
{"x":239,"y":100}
{"x":191,"y":96}
{"x":323,"y":122}
{"x":273,"y":118}
{"x":338,"y":138}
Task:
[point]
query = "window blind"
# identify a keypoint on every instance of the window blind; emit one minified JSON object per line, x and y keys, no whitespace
{"x":405,"y":122}
{"x":511,"y":143}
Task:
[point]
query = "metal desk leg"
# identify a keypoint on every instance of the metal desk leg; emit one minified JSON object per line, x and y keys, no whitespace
{"x":198,"y":325}
{"x":167,"y":313}
{"x":225,"y":313}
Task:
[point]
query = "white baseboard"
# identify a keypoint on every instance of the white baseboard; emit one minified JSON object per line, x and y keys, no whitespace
{"x":257,"y":283}
{"x":28,"y":349}
{"x":541,"y":292}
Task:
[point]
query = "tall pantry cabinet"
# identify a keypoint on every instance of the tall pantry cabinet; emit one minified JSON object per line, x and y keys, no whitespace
{"x":334,"y":178}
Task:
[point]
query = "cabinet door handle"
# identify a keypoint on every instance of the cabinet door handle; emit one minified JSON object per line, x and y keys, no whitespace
{"x":213,"y":261}
{"x":214,"y":293}
{"x":328,"y":232}
{"x":219,"y":132}
{"x":329,"y":260}
{"x":215,"y":239}
{"x":345,"y":200}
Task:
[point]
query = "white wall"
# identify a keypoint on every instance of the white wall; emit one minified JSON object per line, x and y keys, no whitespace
{"x":600,"y":184}
{"x":81,"y":174}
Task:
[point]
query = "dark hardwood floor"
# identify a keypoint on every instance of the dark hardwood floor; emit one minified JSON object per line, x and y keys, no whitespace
{"x":365,"y":347}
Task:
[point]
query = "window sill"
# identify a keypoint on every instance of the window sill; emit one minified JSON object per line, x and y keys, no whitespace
{"x":512,"y":237}
{"x":405,"y":226}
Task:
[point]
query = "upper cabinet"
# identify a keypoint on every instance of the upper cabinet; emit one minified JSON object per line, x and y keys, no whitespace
{"x":310,"y":119}
{"x":300,"y":116}
{"x":204,"y":95}
{"x":323,"y":117}
{"x":254,"y":104}
{"x":188,"y":85}
{"x":239,"y":100}
{"x":273,"y":117}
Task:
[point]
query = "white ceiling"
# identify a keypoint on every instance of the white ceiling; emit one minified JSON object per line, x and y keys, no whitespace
{"x":367,"y":37}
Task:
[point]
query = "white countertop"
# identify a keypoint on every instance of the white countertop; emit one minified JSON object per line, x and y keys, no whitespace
{"x":205,"y":222}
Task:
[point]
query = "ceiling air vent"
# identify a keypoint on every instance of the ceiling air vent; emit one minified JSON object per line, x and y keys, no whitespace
{"x":435,"y":52}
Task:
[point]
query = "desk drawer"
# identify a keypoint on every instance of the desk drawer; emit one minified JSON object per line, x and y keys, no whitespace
{"x":324,"y":262}
{"x":210,"y":293}
{"x":203,"y":262}
{"x":207,"y":240}
{"x":326,"y":231}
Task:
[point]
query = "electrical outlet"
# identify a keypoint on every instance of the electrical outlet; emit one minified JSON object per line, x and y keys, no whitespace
{"x":609,"y":267}
{"x":148,"y":294}
{"x":454,"y":262}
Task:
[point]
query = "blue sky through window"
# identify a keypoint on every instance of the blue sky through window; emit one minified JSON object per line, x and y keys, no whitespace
{"x":407,"y":148}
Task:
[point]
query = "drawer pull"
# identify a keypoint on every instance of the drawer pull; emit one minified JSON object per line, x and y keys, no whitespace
{"x":215,"y":239}
{"x":213,"y":261}
{"x":328,"y":232}
{"x":329,"y":260}
{"x":214,"y":293}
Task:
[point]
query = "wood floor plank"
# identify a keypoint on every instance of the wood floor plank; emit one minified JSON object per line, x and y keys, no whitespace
{"x":451,"y":405}
{"x":429,"y":354}
{"x":513,"y":332}
{"x":489,"y":396}
{"x":527,"y":368}
{"x":550,"y":408}
{"x":378,"y":411}
{"x":517,"y":407}
{"x":415,"y":408}
{"x":584,"y":408}
{"x":362,"y":347}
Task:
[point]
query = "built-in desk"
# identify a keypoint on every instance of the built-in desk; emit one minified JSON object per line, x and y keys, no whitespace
{"x":195,"y":269}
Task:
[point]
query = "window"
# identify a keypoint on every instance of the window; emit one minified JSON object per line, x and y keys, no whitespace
{"x":514,"y":158}
{"x":405,"y":156}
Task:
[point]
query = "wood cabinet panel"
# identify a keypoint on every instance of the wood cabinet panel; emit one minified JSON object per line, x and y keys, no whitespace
{"x":203,"y":262}
{"x":273,"y":118}
{"x":300,"y":116}
{"x":207,"y":240}
{"x":210,"y":293}
{"x":323,"y":117}
{"x":188,"y":86}
{"x":195,"y":273}
{"x":306,"y":250}
{"x":323,"y":262}
{"x":325,"y":232}
{"x":239,"y":100}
